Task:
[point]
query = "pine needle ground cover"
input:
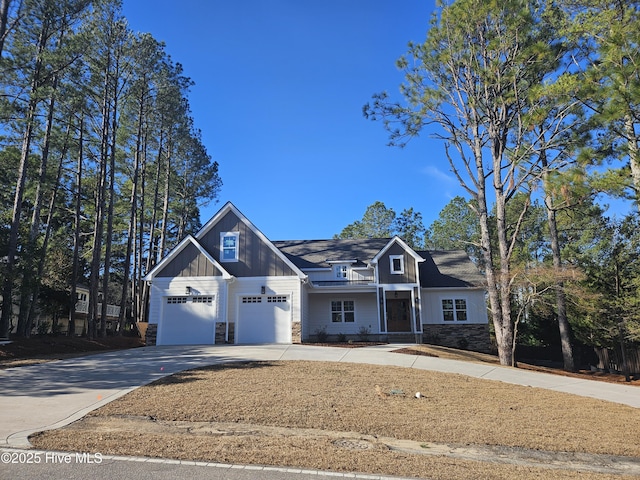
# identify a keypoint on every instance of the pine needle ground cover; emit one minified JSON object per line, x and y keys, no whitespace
{"x":363,"y":418}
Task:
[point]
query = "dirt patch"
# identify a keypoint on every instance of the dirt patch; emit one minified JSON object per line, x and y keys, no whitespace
{"x":353,"y":441}
{"x":363,"y":418}
{"x":46,"y":348}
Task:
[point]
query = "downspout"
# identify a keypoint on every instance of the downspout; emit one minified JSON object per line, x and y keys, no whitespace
{"x":229,"y":281}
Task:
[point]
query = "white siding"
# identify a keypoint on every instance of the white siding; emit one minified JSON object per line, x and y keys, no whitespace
{"x":366,"y":314}
{"x":432,"y":305}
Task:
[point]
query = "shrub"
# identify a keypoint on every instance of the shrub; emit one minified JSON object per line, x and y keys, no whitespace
{"x":363,"y":334}
{"x":43,"y":328}
{"x":322,"y":335}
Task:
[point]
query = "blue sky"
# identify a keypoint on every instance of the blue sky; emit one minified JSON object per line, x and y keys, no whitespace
{"x":278,"y":95}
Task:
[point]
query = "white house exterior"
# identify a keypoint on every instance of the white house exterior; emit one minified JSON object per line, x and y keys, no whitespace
{"x":230,"y":284}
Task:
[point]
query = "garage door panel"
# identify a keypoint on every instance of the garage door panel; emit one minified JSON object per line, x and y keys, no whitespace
{"x":188,"y":320}
{"x":264,"y":319}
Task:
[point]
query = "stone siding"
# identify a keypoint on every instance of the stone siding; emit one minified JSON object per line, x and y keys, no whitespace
{"x":474,"y":337}
{"x":221,"y":330}
{"x":296,"y":332}
{"x":151,"y":335}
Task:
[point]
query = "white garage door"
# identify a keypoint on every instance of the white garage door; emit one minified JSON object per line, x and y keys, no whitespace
{"x":188,"y":320}
{"x":264,"y":319}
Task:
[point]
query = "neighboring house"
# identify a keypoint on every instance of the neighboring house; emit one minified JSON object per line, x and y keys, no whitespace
{"x":230,"y":284}
{"x":82,"y":312}
{"x":46,"y":322}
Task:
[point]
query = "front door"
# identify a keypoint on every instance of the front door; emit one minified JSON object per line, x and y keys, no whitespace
{"x":398,"y":315}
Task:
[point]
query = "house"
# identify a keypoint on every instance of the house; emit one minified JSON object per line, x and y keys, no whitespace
{"x":230,"y":284}
{"x":54,"y":318}
{"x":82,"y":312}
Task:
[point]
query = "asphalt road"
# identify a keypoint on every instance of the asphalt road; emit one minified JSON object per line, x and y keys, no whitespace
{"x":29,"y":464}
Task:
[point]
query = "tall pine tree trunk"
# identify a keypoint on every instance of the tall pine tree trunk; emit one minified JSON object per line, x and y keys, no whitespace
{"x":100,"y":194}
{"x":561,"y":300}
{"x":12,"y":248}
{"x":109,"y":234}
{"x":634,"y":155}
{"x":76,"y":233}
{"x":30,"y":278}
{"x":133,"y":200}
{"x":47,"y":235}
{"x":4,"y":22}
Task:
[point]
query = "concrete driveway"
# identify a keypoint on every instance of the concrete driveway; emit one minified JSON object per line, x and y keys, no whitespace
{"x":54,"y":394}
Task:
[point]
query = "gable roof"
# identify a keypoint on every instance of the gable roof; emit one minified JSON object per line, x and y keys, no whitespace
{"x":188,"y":240}
{"x":230,"y":207}
{"x":318,"y":253}
{"x":449,"y":268}
{"x":404,"y":246}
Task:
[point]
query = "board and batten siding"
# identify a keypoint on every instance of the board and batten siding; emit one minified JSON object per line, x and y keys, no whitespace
{"x":432,"y":305}
{"x":190,"y":262}
{"x":256,"y":258}
{"x":385,"y":276}
{"x":366,"y":314}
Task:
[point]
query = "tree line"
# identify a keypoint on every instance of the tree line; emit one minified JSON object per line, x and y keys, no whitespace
{"x":102,"y":165}
{"x":537,"y":103}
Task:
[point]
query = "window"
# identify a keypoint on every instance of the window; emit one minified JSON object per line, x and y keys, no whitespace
{"x":277,"y":299}
{"x":251,"y":299}
{"x":454,"y":309}
{"x":172,"y":300}
{"x":342,"y":311}
{"x":202,"y":299}
{"x":229,"y":246}
{"x":397,"y":264}
{"x":340,"y":271}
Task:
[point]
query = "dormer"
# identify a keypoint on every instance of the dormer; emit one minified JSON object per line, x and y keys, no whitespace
{"x":397,"y":263}
{"x":341,"y":269}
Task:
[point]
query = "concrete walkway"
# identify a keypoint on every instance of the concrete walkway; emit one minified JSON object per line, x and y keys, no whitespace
{"x":54,"y":394}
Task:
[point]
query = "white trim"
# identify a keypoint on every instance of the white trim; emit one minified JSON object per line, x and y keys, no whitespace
{"x":400,"y":287}
{"x":406,"y":247}
{"x":392,"y":266}
{"x":176,"y":250}
{"x":453,"y":298}
{"x":341,"y":271}
{"x":236,"y":247}
{"x":230,"y":207}
{"x":342,"y":311}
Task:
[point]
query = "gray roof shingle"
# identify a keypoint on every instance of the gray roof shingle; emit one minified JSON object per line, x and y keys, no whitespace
{"x":316,"y":253}
{"x":441,"y":268}
{"x":449,"y":268}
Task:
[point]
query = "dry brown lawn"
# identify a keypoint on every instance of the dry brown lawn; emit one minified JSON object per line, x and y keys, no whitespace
{"x":364,"y":418}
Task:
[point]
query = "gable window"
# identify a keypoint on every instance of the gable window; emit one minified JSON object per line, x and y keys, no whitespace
{"x":342,"y":311}
{"x":396,"y":264}
{"x":229,"y":246}
{"x":454,"y":309}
